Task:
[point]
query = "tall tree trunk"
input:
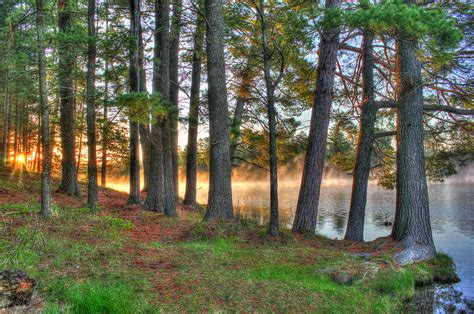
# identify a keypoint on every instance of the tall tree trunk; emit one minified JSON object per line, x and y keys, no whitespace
{"x":270,"y":100}
{"x":103,"y":171}
{"x":134,"y":194}
{"x":169,"y":197}
{"x":191,"y":148}
{"x":69,"y":184}
{"x":355,"y":224}
{"x":308,"y":200}
{"x":105,"y":130}
{"x":92,"y":193}
{"x":6,"y":127}
{"x":412,"y":226}
{"x":156,"y":187}
{"x":219,"y":204}
{"x":174,"y":86}
{"x":43,"y":93}
{"x":144,"y":127}
{"x":161,"y":195}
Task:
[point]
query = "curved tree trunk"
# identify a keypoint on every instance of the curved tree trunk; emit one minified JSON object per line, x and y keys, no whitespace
{"x":360,"y":181}
{"x":308,"y":199}
{"x":219,"y":204}
{"x":412,"y":226}
{"x":92,"y":193}
{"x":43,"y":99}
{"x":191,"y":148}
{"x":69,"y":184}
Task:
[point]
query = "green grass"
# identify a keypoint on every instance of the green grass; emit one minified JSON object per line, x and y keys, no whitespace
{"x":94,"y":297}
{"x":441,"y":269}
{"x":87,"y":263}
{"x":398,"y":283}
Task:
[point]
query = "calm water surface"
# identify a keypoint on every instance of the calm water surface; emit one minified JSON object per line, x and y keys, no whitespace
{"x":451,"y":208}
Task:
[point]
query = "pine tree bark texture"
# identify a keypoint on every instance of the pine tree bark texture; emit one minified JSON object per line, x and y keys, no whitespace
{"x":219,"y":204}
{"x":412,"y":226}
{"x":43,"y":99}
{"x":92,"y":192}
{"x":191,"y":148}
{"x":69,"y":184}
{"x":308,"y":199}
{"x":134,"y":194}
{"x":360,"y":180}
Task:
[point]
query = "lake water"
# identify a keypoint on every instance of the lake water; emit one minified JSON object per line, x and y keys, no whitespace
{"x":451,"y":208}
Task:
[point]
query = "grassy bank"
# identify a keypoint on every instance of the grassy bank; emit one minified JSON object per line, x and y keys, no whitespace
{"x":126,"y":260}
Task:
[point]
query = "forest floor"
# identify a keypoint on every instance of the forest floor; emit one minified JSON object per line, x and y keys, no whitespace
{"x":124,"y":259}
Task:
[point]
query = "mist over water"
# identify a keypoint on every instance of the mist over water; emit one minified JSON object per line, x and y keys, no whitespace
{"x":451,"y":208}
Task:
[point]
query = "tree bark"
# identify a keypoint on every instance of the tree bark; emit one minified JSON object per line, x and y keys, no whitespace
{"x":243,"y":95}
{"x":161,"y":196}
{"x":270,"y":100}
{"x":69,"y":184}
{"x":170,"y":196}
{"x":191,"y":148}
{"x":92,"y":193}
{"x":81,"y":134}
{"x":308,"y":199}
{"x":174,"y":86}
{"x":134,"y":195}
{"x":105,"y":126}
{"x":156,"y":186}
{"x":360,"y":181}
{"x":6,"y":127}
{"x":412,"y":226}
{"x":219,"y":203}
{"x":105,"y":131}
{"x":144,"y":127}
{"x":43,"y":99}
{"x":145,"y":145}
